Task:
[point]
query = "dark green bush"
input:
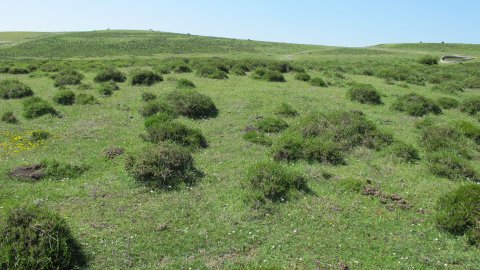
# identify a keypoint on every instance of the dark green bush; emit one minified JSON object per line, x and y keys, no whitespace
{"x":144,"y":77}
{"x":317,"y":81}
{"x":404,"y":152}
{"x":9,"y":117}
{"x":148,"y":96}
{"x":18,"y":70}
{"x":184,"y":83}
{"x":272,"y":125}
{"x":110,"y":74}
{"x":155,"y":106}
{"x":68,"y":77}
{"x":451,"y":166}
{"x":192,"y":104}
{"x":107,"y":88}
{"x":33,"y":238}
{"x":470,"y":130}
{"x":239,"y":70}
{"x":273,"y":182}
{"x":458,"y":212}
{"x":428,"y":60}
{"x":416,"y":105}
{"x":364,"y":93}
{"x":86,"y":99}
{"x":64,"y":97}
{"x":290,"y":147}
{"x":172,"y":131}
{"x":268,"y":75}
{"x":285,"y":110}
{"x":211,"y":72}
{"x":34,"y":107}
{"x":159,"y":117}
{"x":257,"y":137}
{"x":316,"y":149}
{"x":471,"y":105}
{"x":182,"y":68}
{"x":163,"y":166}
{"x":448,"y":103}
{"x":302,"y":77}
{"x":13,"y":88}
{"x":39,"y":135}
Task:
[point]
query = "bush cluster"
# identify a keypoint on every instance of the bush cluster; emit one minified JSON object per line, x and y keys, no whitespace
{"x":192,"y":104}
{"x":317,"y":81}
{"x":148,"y":96}
{"x":301,"y":76}
{"x":144,"y":77}
{"x":364,"y":93}
{"x":107,"y":88}
{"x":86,"y":99}
{"x":268,"y":75}
{"x":404,"y":152}
{"x":68,"y":77}
{"x":272,"y":124}
{"x":13,"y":88}
{"x":416,"y":105}
{"x":471,"y":105}
{"x":185,"y":83}
{"x":428,"y":60}
{"x":9,"y":117}
{"x":162,"y":129}
{"x":64,"y":97}
{"x":155,"y":106}
{"x":110,"y":74}
{"x":285,"y":110}
{"x":447,"y":103}
{"x":34,"y":107}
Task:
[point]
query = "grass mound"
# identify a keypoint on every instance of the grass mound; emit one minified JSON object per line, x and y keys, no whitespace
{"x":144,"y":77}
{"x":319,"y":82}
{"x":86,"y":99}
{"x":470,"y":130}
{"x":471,"y":105}
{"x":182,"y":68}
{"x":272,"y":125}
{"x":302,"y":76}
{"x":404,"y":152}
{"x":211,"y":72}
{"x":9,"y":117}
{"x":34,"y":238}
{"x":192,"y":104}
{"x":365,"y":94}
{"x":34,"y":107}
{"x":451,"y":166}
{"x":257,"y":137}
{"x":428,"y":60}
{"x":416,"y":105}
{"x":185,"y":83}
{"x":443,"y":137}
{"x":110,"y":74}
{"x":162,"y":130}
{"x":447,"y":103}
{"x":148,"y":96}
{"x":64,"y":97}
{"x":13,"y":89}
{"x":285,"y":110}
{"x":68,"y":77}
{"x":163,"y":166}
{"x":107,"y":88}
{"x":155,"y":106}
{"x":458,"y":212}
{"x":268,"y":75}
{"x":449,"y":87}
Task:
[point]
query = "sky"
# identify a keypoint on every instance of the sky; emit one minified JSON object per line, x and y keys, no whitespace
{"x":352,"y":23}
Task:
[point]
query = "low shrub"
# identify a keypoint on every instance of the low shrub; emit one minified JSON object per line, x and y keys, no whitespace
{"x":472,"y":82}
{"x":107,"y":88}
{"x":59,"y":170}
{"x":153,"y":107}
{"x":404,"y":152}
{"x":257,"y":137}
{"x":64,"y":97}
{"x":451,"y":166}
{"x":18,"y":70}
{"x":449,"y":87}
{"x":447,"y":103}
{"x":160,"y":117}
{"x":68,"y":77}
{"x":471,"y":105}
{"x":182,"y":68}
{"x":317,"y":81}
{"x":365,"y":94}
{"x":268,"y":75}
{"x":302,"y":77}
{"x":163,"y":166}
{"x":458,"y":212}
{"x":144,"y":77}
{"x":318,"y":150}
{"x":239,"y":70}
{"x":285,"y":110}
{"x":13,"y":88}
{"x":184,"y":83}
{"x":270,"y":181}
{"x":172,"y":131}
{"x":443,"y":137}
{"x":416,"y":105}
{"x":86,"y":99}
{"x":9,"y":117}
{"x":192,"y":104}
{"x":34,"y":107}
{"x":351,"y":185}
{"x":428,"y":60}
{"x":470,"y":130}
{"x":34,"y":238}
{"x":39,"y":135}
{"x":272,"y":125}
{"x":148,"y":96}
{"x":211,"y":72}
{"x":110,"y":74}
{"x":84,"y":86}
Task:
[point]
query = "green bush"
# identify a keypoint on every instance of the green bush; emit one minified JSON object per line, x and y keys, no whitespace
{"x":364,"y":93}
{"x":144,"y":77}
{"x":9,"y":117}
{"x":428,"y":60}
{"x":13,"y":88}
{"x":404,"y":152}
{"x":351,"y":185}
{"x":18,"y":70}
{"x":271,"y":181}
{"x":110,"y":74}
{"x":184,"y":83}
{"x":84,"y":86}
{"x":211,"y":72}
{"x":317,"y":81}
{"x":59,"y":170}
{"x":443,"y":137}
{"x":458,"y":212}
{"x":470,"y":130}
{"x":239,"y":70}
{"x":268,"y":75}
{"x":285,"y":110}
{"x":33,"y":238}
{"x":182,"y":68}
{"x":471,"y":105}
{"x":160,"y":117}
{"x":449,"y":87}
{"x":257,"y":137}
{"x":301,"y":76}
{"x":448,"y":103}
{"x":68,"y":77}
{"x":64,"y":97}
{"x":318,"y":150}
{"x":153,"y":107}
{"x":416,"y":105}
{"x":192,"y":104}
{"x":34,"y":107}
{"x":107,"y":88}
{"x":472,"y":82}
{"x":39,"y":135}
{"x":451,"y":166}
{"x":148,"y":96}
{"x":86,"y":99}
{"x":272,"y":125}
{"x":163,"y":166}
{"x":172,"y":131}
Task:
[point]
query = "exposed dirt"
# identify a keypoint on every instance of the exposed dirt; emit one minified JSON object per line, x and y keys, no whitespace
{"x":33,"y":172}
{"x":392,"y":200}
{"x":113,"y":152}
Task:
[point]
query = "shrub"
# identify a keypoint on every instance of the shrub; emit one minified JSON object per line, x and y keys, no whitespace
{"x":471,"y":105}
{"x":416,"y":105}
{"x":9,"y":117}
{"x":68,"y":77}
{"x":184,"y":83}
{"x":34,"y":107}
{"x":351,"y":185}
{"x":257,"y":137}
{"x":449,"y":87}
{"x":84,"y":86}
{"x":13,"y":88}
{"x":39,"y":135}
{"x":107,"y":88}
{"x":442,"y":137}
{"x":86,"y":99}
{"x":239,"y":70}
{"x":364,"y":93}
{"x":163,"y":166}
{"x":451,"y":166}
{"x":470,"y":130}
{"x":144,"y":77}
{"x":289,"y":148}
{"x":192,"y":104}
{"x":271,"y":181}
{"x":472,"y":82}
{"x":268,"y":75}
{"x":158,"y":118}
{"x":285,"y":110}
{"x":64,"y":97}
{"x":211,"y":72}
{"x":182,"y":68}
{"x":171,"y":131}
{"x":148,"y":96}
{"x":34,"y":238}
{"x":317,"y":81}
{"x":153,"y":107}
{"x":58,"y":170}
{"x":272,"y":125}
{"x":301,"y":76}
{"x":458,"y":212}
{"x":448,"y":103}
{"x":321,"y":151}
{"x":404,"y":152}
{"x":428,"y":60}
{"x":110,"y":74}
{"x":18,"y":70}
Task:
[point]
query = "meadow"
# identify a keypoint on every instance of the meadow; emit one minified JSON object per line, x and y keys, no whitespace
{"x":168,"y":151}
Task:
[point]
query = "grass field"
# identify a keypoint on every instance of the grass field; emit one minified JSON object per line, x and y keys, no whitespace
{"x":122,"y":224}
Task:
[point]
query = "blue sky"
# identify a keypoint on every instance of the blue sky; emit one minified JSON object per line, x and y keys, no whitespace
{"x":340,"y":22}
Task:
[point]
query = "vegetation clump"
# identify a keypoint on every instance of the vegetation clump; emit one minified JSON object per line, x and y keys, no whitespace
{"x":470,"y":130}
{"x":107,"y":88}
{"x":404,"y":152}
{"x":34,"y":107}
{"x":449,"y":87}
{"x":257,"y":137}
{"x":449,"y":165}
{"x":34,"y":238}
{"x":302,"y":76}
{"x":148,"y":96}
{"x":161,"y":129}
{"x":14,"y":89}
{"x":182,"y":68}
{"x":9,"y":117}
{"x":428,"y":60}
{"x":471,"y":105}
{"x":145,"y":77}
{"x":447,"y":103}
{"x":185,"y":83}
{"x":268,"y":75}
{"x":319,"y":82}
{"x":212,"y":72}
{"x":110,"y":74}
{"x":272,"y":125}
{"x":364,"y":93}
{"x":39,"y":135}
{"x":64,"y":97}
{"x":444,"y":137}
{"x":286,"y":110}
{"x":86,"y":99}
{"x":68,"y":77}
{"x":416,"y":105}
{"x":192,"y":104}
